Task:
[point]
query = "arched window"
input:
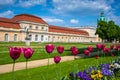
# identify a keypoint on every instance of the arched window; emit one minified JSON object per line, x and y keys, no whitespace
{"x":6,"y":37}
{"x":30,"y":37}
{"x":15,"y":37}
{"x":42,"y":37}
{"x":36,"y":37}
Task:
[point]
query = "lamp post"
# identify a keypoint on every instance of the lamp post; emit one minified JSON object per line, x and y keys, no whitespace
{"x":27,"y":39}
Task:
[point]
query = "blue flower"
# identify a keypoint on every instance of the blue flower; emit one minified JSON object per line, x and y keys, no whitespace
{"x":83,"y":75}
{"x":106,"y":72}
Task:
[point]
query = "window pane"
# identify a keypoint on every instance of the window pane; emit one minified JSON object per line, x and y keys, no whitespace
{"x":6,"y":37}
{"x":36,"y":37}
{"x":15,"y":37}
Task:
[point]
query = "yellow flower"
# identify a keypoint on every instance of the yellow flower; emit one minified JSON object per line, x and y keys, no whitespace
{"x":92,"y":71}
{"x":100,"y":74}
{"x":93,"y":76}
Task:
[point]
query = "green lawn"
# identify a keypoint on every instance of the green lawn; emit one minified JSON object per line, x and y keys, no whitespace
{"x":66,"y":67}
{"x":40,"y":52}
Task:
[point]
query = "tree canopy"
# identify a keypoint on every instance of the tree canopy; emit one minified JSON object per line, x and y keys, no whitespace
{"x":108,"y":31}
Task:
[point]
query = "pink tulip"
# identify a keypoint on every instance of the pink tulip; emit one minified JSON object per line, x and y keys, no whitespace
{"x":49,"y":48}
{"x":96,"y":57}
{"x":57,"y":59}
{"x":107,"y":50}
{"x":90,"y":48}
{"x":74,"y":51}
{"x":60,"y":49}
{"x":28,"y":52}
{"x":116,"y":48}
{"x":73,"y":47}
{"x":98,"y":46}
{"x":112,"y":46}
{"x":102,"y":46}
{"x":14,"y":52}
{"x":86,"y":52}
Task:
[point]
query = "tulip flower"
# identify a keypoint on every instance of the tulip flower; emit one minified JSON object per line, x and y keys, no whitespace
{"x":102,"y":46}
{"x":72,"y":48}
{"x":60,"y":49}
{"x":57,"y":59}
{"x":28,"y":52}
{"x":112,"y":46}
{"x":49,"y":48}
{"x":14,"y":54}
{"x":86,"y":52}
{"x":96,"y":57}
{"x":112,"y":55}
{"x":75,"y":51}
{"x":98,"y":46}
{"x":90,"y":48}
{"x":107,"y":50}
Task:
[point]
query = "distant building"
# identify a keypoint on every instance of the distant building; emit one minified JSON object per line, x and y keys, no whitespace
{"x":91,"y":30}
{"x":17,"y":28}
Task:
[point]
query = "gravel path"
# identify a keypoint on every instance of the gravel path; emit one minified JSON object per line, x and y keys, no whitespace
{"x":31,"y":64}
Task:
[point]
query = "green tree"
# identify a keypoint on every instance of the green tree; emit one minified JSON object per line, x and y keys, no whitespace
{"x":117,"y":35}
{"x":111,"y":31}
{"x":101,"y":30}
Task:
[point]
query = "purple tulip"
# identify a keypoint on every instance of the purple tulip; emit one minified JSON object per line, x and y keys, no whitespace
{"x":98,"y":46}
{"x":72,"y":48}
{"x":86,"y":52}
{"x":14,"y":52}
{"x":118,"y":46}
{"x":112,"y":46}
{"x":60,"y":49}
{"x":107,"y":50}
{"x":28,"y":52}
{"x":90,"y":48}
{"x":57,"y":59}
{"x":74,"y":51}
{"x":102,"y":46}
{"x":49,"y":48}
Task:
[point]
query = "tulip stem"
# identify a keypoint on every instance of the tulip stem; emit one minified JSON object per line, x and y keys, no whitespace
{"x":59,"y":71}
{"x":48,"y":67}
{"x":13,"y":69}
{"x":26,"y":69}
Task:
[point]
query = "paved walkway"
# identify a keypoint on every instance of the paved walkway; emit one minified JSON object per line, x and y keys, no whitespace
{"x":35,"y":63}
{"x":31,"y":64}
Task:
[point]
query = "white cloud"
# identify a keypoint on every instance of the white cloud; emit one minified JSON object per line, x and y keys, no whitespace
{"x":74,"y":21}
{"x":52,"y":20}
{"x":30,"y":3}
{"x":7,"y":14}
{"x":6,"y":2}
{"x":80,"y":6}
{"x":111,"y":16}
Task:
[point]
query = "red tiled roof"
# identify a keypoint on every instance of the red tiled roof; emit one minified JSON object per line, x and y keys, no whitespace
{"x":27,"y":17}
{"x":59,"y":29}
{"x":8,"y":23}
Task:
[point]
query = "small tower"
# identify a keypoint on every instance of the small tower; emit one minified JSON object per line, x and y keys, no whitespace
{"x":102,"y":17}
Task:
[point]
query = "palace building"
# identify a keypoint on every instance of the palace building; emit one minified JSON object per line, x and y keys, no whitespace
{"x":16,"y":29}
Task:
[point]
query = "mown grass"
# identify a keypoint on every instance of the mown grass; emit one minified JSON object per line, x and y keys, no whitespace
{"x":40,"y":52}
{"x":39,"y":73}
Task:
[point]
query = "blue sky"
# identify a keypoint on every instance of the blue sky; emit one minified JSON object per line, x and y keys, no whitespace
{"x":67,"y":13}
